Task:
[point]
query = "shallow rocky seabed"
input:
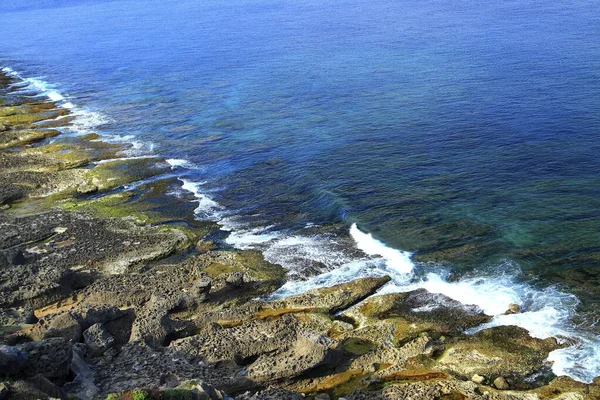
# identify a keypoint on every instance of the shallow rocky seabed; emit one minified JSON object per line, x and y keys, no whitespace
{"x":114,"y":292}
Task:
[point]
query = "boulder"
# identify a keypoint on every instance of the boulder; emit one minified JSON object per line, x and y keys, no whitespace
{"x":418,"y":311}
{"x":50,"y":358}
{"x":97,"y":340}
{"x":330,"y":299}
{"x":64,"y":325}
{"x":500,"y":383}
{"x":12,"y":361}
{"x":513,"y":309}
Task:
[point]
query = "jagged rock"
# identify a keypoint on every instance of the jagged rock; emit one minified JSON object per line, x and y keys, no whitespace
{"x":12,"y":360}
{"x":309,"y":351}
{"x":82,"y":386}
{"x":235,"y":278}
{"x":87,"y":188}
{"x":498,"y":351}
{"x":4,"y":391}
{"x":70,"y":324}
{"x":66,"y":326}
{"x":202,"y":390}
{"x":49,"y":357}
{"x":422,"y":390}
{"x":138,"y":365}
{"x":97,"y":340}
{"x":500,"y":383}
{"x":240,"y":343}
{"x":331,"y":299}
{"x":418,"y":311}
{"x":42,"y":384}
{"x":271,"y":394}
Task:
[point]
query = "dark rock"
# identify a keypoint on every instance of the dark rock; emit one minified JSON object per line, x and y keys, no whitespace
{"x":10,"y":193}
{"x":4,"y":391}
{"x":97,"y":340}
{"x":49,"y":357}
{"x":44,"y":385}
{"x":82,"y":386}
{"x":12,"y":361}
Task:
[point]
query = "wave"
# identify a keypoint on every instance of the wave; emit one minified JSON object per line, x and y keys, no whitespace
{"x":83,"y":120}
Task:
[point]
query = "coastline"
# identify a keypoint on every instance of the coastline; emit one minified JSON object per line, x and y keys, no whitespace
{"x":104,"y":288}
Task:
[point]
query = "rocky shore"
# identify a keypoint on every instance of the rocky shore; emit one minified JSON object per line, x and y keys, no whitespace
{"x":114,"y":293}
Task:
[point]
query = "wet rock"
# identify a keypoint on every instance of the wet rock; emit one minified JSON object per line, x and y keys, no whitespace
{"x":418,"y":311}
{"x":97,"y":340}
{"x":513,"y":309}
{"x":12,"y":361}
{"x":498,"y":351}
{"x":331,"y":299}
{"x":49,"y":357}
{"x":322,"y":396}
{"x":21,"y":137}
{"x":500,"y":383}
{"x":87,"y":188}
{"x":204,"y":246}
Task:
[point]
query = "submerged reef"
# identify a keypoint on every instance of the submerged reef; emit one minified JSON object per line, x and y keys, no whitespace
{"x":113,"y":291}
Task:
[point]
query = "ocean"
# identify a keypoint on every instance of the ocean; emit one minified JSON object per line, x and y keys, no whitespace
{"x":453,"y":145}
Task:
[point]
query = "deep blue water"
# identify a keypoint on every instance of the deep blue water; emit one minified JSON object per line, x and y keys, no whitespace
{"x":465,"y":132}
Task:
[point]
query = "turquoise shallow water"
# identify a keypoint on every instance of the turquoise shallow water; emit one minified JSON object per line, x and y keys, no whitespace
{"x":464,"y":133}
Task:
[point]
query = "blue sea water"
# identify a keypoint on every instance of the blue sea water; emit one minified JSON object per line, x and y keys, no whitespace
{"x":451,"y":144}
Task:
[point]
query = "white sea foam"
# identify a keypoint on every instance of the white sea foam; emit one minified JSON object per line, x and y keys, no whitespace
{"x":248,"y":239}
{"x":207,"y":207}
{"x":180,"y":163}
{"x":109,"y":160}
{"x":396,"y":259}
{"x":84,"y":120}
